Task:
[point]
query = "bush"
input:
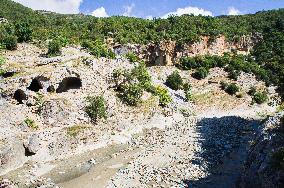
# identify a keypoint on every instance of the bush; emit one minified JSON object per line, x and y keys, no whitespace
{"x":132,"y":57}
{"x":164,"y":96}
{"x":174,"y":81}
{"x":96,"y":108}
{"x":140,"y":72}
{"x":23,"y":32}
{"x":201,"y":73}
{"x":234,"y":74}
{"x":252,"y":91}
{"x":224,"y":85}
{"x":232,"y":89}
{"x":187,"y":63}
{"x":132,"y":83}
{"x":10,"y":42}
{"x":187,"y":92}
{"x":131,"y":94}
{"x":98,"y":49}
{"x":54,"y":48}
{"x":260,"y":97}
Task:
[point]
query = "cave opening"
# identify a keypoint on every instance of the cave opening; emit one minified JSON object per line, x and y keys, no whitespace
{"x":35,"y":85}
{"x":69,"y":83}
{"x":20,"y":96}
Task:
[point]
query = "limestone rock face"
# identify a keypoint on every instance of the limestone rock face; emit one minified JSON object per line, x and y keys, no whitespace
{"x":12,"y":155}
{"x":163,"y":53}
{"x":32,"y":145}
{"x":166,"y":53}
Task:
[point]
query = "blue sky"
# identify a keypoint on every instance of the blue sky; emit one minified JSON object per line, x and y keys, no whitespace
{"x":153,"y":8}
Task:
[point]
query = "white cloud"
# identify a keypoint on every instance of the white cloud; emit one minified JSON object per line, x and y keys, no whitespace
{"x":189,"y":10}
{"x":100,"y":12}
{"x":128,"y":10}
{"x":59,"y":6}
{"x":233,"y":11}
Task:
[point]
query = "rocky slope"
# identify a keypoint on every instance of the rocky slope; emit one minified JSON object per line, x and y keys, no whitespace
{"x":201,"y":143}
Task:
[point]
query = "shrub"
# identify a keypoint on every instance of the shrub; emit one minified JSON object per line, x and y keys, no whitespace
{"x":54,"y":48}
{"x":252,"y":91}
{"x":141,"y":73}
{"x":39,"y":102}
{"x":260,"y":97}
{"x":187,"y":91}
{"x":187,"y":63}
{"x":30,"y":123}
{"x":23,"y":32}
{"x":224,"y":85}
{"x":234,"y":74}
{"x":132,"y":57}
{"x":98,"y":49}
{"x":96,"y":108}
{"x":232,"y":89}
{"x":174,"y":81}
{"x":201,"y":73}
{"x":132,"y":83}
{"x":164,"y":96}
{"x":131,"y":94}
{"x":10,"y":42}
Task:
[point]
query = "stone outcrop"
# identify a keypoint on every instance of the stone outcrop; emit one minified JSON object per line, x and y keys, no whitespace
{"x":169,"y":52}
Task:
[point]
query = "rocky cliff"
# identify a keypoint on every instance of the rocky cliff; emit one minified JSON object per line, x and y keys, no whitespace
{"x":169,"y":52}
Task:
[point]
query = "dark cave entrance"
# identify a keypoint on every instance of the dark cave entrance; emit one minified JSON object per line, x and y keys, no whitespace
{"x":69,"y":83}
{"x":20,"y":96}
{"x":35,"y":85}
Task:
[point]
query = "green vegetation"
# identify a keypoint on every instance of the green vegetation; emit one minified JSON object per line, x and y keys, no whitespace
{"x":260,"y":97}
{"x":23,"y":32}
{"x":98,"y":49}
{"x":132,"y":57}
{"x":39,"y":102}
{"x":54,"y":48}
{"x":10,"y":42}
{"x":164,"y":96}
{"x":266,"y":60}
{"x":96,"y":108}
{"x":230,"y":88}
{"x":131,"y":84}
{"x":131,"y":94}
{"x":30,"y":123}
{"x":187,"y":91}
{"x":174,"y":81}
{"x":2,"y":62}
{"x":252,"y":91}
{"x":201,"y":73}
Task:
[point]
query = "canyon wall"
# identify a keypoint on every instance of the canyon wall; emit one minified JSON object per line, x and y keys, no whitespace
{"x":169,"y":52}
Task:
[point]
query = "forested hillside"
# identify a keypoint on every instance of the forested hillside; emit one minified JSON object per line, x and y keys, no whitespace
{"x":25,"y":24}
